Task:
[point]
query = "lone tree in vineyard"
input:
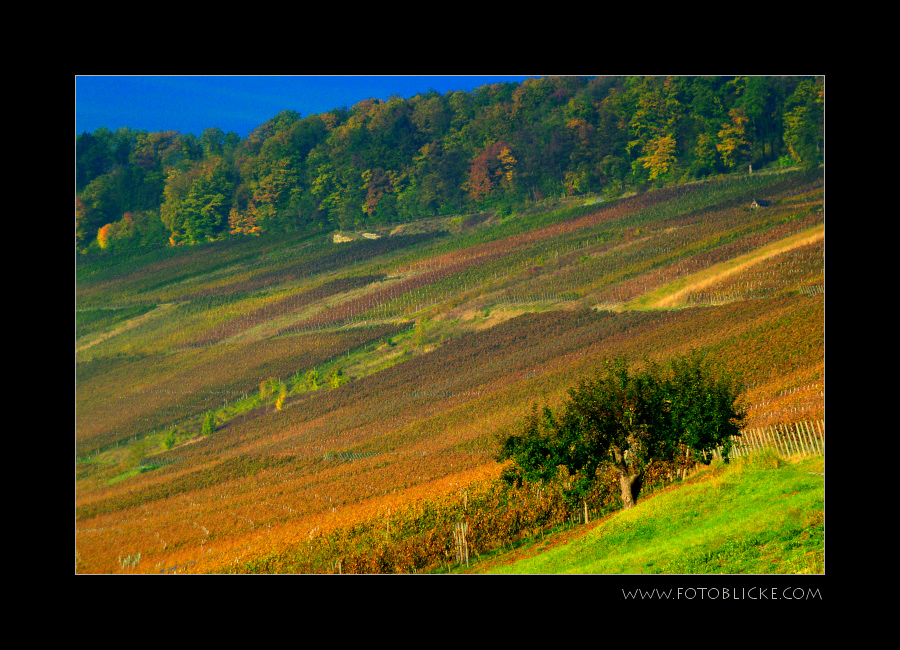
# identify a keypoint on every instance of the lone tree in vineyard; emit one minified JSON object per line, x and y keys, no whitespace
{"x":628,"y":420}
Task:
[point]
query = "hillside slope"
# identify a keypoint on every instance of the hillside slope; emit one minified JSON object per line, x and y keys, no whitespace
{"x":758,"y":516}
{"x":349,"y":382}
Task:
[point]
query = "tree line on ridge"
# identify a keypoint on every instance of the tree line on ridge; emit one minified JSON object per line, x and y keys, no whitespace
{"x":500,"y":147}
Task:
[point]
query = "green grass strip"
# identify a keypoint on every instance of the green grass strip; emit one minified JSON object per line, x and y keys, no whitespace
{"x":755,"y":516}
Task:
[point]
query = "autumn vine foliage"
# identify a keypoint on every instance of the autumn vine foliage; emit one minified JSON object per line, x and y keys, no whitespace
{"x":288,"y":403}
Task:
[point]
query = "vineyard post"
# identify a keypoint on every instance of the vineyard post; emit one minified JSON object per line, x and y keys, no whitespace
{"x":774,"y":437}
{"x":807,"y":443}
{"x":466,"y":541}
{"x":786,"y":435}
{"x":786,"y":449}
{"x":777,"y":442}
{"x":781,"y":443}
{"x":793,"y":433}
{"x":794,"y":445}
{"x":812,"y":436}
{"x":771,"y":439}
{"x":806,"y":450}
{"x":812,"y":441}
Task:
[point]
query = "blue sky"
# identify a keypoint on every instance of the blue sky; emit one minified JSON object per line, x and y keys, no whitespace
{"x":190,"y":104}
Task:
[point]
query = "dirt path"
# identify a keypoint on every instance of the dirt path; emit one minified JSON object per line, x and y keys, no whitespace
{"x":127,"y":325}
{"x":675,"y":293}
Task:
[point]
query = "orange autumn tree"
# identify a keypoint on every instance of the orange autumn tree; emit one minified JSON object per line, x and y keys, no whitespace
{"x":377,"y":183}
{"x":121,"y":229}
{"x":103,"y":235}
{"x":493,"y":168}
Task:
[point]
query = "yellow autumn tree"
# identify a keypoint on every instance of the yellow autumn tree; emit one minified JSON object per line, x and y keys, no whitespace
{"x":508,"y":163}
{"x":576,"y":182}
{"x":734,"y":146}
{"x":659,"y":156}
{"x":243,"y":222}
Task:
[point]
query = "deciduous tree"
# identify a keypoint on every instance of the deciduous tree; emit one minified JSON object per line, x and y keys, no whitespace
{"x":733,"y":145}
{"x":492,"y":168}
{"x":659,"y":156}
{"x":804,"y":123}
{"x":625,"y":420}
{"x":209,"y":424}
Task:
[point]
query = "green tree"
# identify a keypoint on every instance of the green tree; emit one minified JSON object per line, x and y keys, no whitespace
{"x":268,"y":387}
{"x":804,"y":123}
{"x":626,"y":420}
{"x":99,"y":204}
{"x":170,"y":439}
{"x":198,"y":202}
{"x":337,"y":377}
{"x":733,"y":145}
{"x":137,"y":452}
{"x":93,"y":156}
{"x":705,"y":155}
{"x":703,"y":405}
{"x":213,"y":141}
{"x":282,"y":396}
{"x":209,"y":424}
{"x":762,"y":101}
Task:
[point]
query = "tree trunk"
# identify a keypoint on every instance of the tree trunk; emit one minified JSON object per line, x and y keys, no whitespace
{"x":630,"y":485}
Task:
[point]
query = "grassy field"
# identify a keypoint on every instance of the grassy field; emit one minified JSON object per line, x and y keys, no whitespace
{"x":358,"y":388}
{"x":761,"y":515}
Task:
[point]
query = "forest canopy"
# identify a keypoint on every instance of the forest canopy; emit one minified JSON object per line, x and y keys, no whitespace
{"x":500,"y":147}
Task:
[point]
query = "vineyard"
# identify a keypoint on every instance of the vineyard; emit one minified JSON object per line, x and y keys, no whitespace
{"x":313,"y":404}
